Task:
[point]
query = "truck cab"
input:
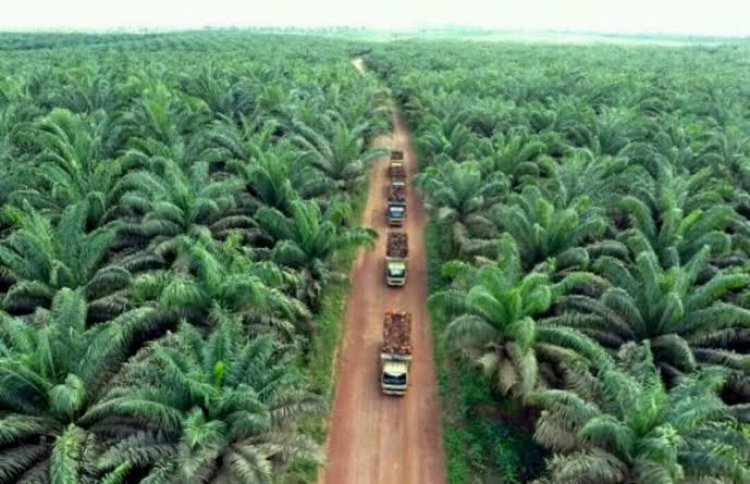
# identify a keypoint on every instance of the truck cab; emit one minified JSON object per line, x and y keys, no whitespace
{"x":395,"y":272}
{"x":395,"y":377}
{"x":396,"y":213}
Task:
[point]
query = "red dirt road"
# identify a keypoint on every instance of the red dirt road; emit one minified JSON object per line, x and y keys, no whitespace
{"x":375,"y":438}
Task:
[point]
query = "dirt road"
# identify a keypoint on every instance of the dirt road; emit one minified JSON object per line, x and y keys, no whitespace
{"x":374,"y":438}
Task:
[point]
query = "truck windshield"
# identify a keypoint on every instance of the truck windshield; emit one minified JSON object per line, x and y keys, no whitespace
{"x":396,"y":211}
{"x":395,"y":271}
{"x":399,"y":380}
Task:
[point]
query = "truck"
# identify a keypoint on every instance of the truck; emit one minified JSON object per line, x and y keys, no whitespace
{"x":396,"y":166}
{"x":396,"y":211}
{"x":396,"y":255}
{"x":395,"y":354}
{"x":398,"y":174}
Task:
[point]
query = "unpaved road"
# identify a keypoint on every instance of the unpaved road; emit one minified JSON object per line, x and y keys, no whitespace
{"x":375,"y":438}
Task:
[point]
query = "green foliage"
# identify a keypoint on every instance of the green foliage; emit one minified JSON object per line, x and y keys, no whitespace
{"x":680,"y":316}
{"x":494,"y":310}
{"x":477,"y":446}
{"x":147,"y":190}
{"x":40,"y":258}
{"x":228,"y":412}
{"x":631,"y":163}
{"x":625,"y":425}
{"x":338,"y":152}
{"x":53,"y":372}
{"x":457,"y":195}
{"x":544,"y":230}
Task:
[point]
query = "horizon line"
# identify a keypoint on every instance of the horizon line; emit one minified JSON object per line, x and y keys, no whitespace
{"x":416,"y":27}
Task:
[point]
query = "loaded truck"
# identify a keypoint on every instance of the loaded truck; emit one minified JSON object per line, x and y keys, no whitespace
{"x":395,"y":354}
{"x":396,"y":254}
{"x":397,"y":160}
{"x":396,"y":211}
{"x":396,"y":167}
{"x":398,"y":175}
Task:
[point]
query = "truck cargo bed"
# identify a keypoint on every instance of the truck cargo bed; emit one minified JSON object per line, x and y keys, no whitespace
{"x":397,"y":334}
{"x":397,"y":245}
{"x":397,"y":193}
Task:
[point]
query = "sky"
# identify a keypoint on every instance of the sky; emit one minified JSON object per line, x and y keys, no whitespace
{"x":698,"y":17}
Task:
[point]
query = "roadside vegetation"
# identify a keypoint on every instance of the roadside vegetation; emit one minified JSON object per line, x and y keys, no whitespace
{"x":178,"y":213}
{"x":590,"y":283}
{"x":178,"y":217}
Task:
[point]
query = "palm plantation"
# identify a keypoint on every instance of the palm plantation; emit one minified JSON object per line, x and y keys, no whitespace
{"x":227,"y":416}
{"x":495,"y":308}
{"x":686,"y":322}
{"x":53,"y":372}
{"x":641,"y":185}
{"x":168,"y":233}
{"x":306,"y":240}
{"x":41,"y":257}
{"x":171,"y":227}
{"x":624,"y":426}
{"x":339,"y":152}
{"x":458,"y":195}
{"x":544,"y":230}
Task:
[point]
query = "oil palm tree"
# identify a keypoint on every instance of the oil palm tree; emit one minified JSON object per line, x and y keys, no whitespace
{"x":72,"y":165}
{"x":685,"y":320}
{"x":338,"y":151}
{"x":543,"y":230}
{"x":41,"y":257}
{"x":52,"y":372}
{"x":207,"y":282}
{"x":446,"y":140}
{"x":373,"y":107}
{"x":227,"y":414}
{"x":308,"y":239}
{"x":521,"y":156}
{"x":85,"y":90}
{"x":460,"y":196}
{"x":275,"y":171}
{"x":175,"y":201}
{"x":161,"y":113}
{"x":624,"y":426}
{"x":243,"y":141}
{"x":225,"y":97}
{"x":671,"y":183}
{"x":583,"y":173}
{"x":494,"y":316}
{"x":674,"y":234}
{"x":278,"y":176}
{"x":12,"y":179}
{"x":726,"y":151}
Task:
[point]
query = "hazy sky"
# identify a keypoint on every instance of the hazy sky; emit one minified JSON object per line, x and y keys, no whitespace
{"x":708,"y":17}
